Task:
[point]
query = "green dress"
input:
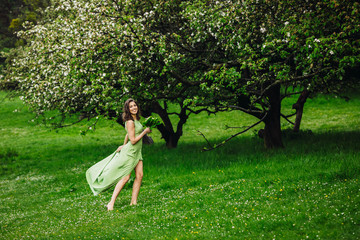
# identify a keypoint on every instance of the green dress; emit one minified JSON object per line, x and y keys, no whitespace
{"x":110,"y":170}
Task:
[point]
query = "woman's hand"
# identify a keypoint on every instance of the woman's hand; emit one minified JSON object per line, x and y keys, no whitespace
{"x":119,"y":148}
{"x":147,"y":130}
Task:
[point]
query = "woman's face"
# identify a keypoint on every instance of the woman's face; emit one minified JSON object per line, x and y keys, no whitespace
{"x":133,"y":108}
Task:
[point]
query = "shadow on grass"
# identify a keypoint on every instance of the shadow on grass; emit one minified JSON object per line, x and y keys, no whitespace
{"x":310,"y":149}
{"x":330,"y":142}
{"x":329,"y":155}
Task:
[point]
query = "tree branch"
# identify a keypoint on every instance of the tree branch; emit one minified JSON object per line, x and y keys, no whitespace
{"x":200,"y":133}
{"x":290,"y":94}
{"x":294,"y":79}
{"x":174,"y":113}
{"x":246,"y":110}
{"x":60,"y":125}
{"x":286,"y":117}
{"x":231,"y":137}
{"x":227,"y":127}
{"x":201,"y":110}
{"x":183,"y":80}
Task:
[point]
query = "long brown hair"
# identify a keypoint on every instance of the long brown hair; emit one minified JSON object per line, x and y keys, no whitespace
{"x":126,"y":115}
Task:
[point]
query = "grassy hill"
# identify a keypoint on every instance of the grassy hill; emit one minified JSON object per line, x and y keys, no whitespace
{"x":308,"y":190}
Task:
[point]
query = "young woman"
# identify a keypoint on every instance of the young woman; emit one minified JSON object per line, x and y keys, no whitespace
{"x":117,"y":168}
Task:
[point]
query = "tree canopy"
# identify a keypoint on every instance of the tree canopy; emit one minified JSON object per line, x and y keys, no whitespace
{"x":13,"y":13}
{"x":87,"y":56}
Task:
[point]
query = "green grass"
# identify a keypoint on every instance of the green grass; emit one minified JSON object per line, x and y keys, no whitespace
{"x":309,"y":190}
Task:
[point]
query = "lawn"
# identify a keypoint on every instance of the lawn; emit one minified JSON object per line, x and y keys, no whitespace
{"x":308,"y":190}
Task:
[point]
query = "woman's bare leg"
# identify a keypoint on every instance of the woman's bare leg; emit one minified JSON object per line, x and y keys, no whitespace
{"x":137,"y":183}
{"x":119,"y":186}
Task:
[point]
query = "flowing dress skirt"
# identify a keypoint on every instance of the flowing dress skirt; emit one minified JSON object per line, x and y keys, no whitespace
{"x":110,"y":170}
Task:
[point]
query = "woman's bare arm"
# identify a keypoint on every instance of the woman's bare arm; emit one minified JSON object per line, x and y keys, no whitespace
{"x":131,"y":132}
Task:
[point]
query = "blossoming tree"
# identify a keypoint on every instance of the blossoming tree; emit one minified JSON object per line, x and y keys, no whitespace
{"x":86,"y":57}
{"x":249,"y":55}
{"x":201,"y":55}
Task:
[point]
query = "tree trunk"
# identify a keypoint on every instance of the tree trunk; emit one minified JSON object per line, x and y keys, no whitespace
{"x":171,"y":138}
{"x":166,"y":129}
{"x":299,"y":106}
{"x":272,"y":131}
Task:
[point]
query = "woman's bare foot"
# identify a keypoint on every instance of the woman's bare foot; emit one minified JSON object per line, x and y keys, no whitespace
{"x":110,"y":207}
{"x":133,"y":203}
